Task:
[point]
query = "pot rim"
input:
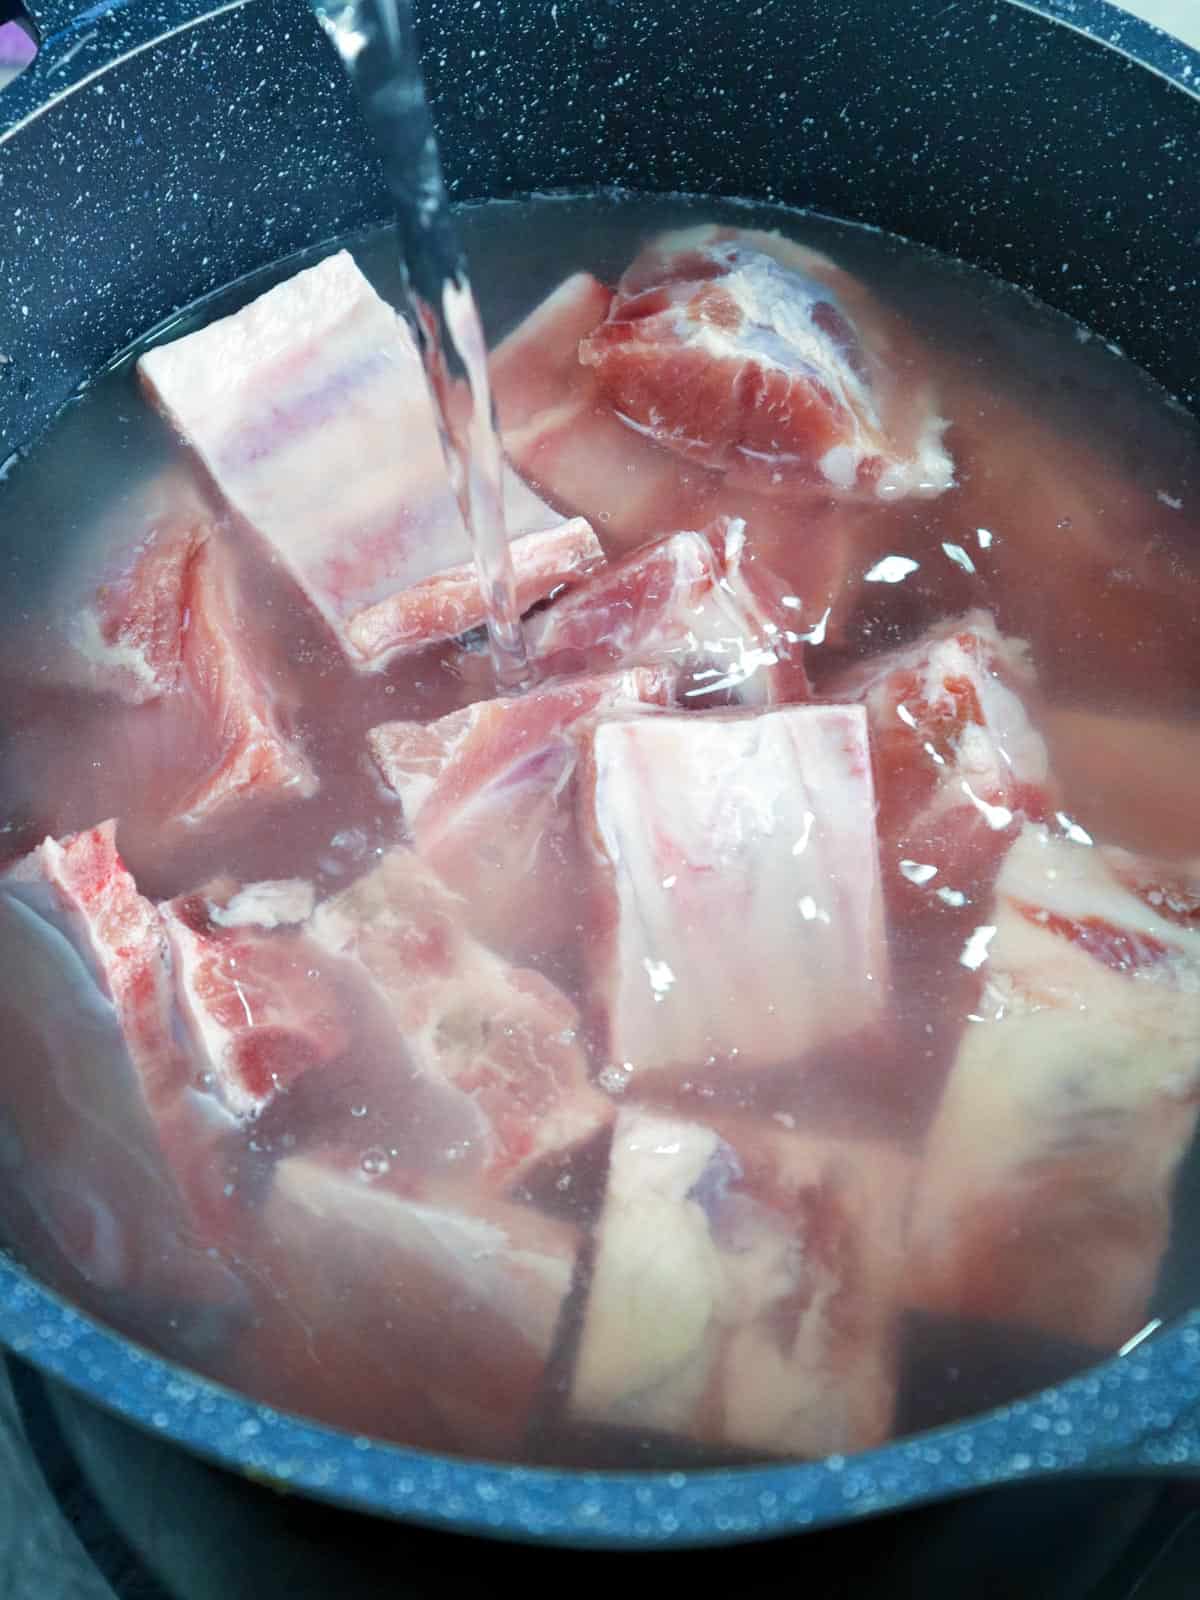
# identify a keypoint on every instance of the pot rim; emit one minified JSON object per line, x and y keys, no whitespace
{"x":1123,"y":1415}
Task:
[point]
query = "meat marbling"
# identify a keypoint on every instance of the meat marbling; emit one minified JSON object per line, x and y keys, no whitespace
{"x":488,"y":797}
{"x":740,"y":916}
{"x":125,"y":1158}
{"x":745,"y":1287}
{"x":303,"y":406}
{"x":501,"y":1040}
{"x":765,"y":360}
{"x":1045,"y":1189}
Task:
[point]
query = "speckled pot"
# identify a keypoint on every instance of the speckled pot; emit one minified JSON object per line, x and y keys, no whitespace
{"x":159,"y":148}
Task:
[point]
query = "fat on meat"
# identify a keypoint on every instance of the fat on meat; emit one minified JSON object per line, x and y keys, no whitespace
{"x":501,"y":1040}
{"x":310,"y":412}
{"x":112,"y":1147}
{"x":563,"y":437}
{"x":488,"y":798}
{"x":207,"y":720}
{"x":256,"y":1007}
{"x":958,"y":755}
{"x":406,"y":1312}
{"x":765,"y":360}
{"x":1044,"y":1194}
{"x":739,"y":918}
{"x":745,"y":1287}
{"x":702,"y":602}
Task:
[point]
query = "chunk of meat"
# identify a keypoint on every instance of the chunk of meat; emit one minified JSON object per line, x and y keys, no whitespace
{"x":958,"y":760}
{"x":1044,"y":1197}
{"x":258,"y":1010}
{"x":745,"y":1287}
{"x":253,"y":754}
{"x":699,"y":601}
{"x":426,"y":1320}
{"x":451,"y":602}
{"x":740,"y":918}
{"x":206,"y":726}
{"x":489,"y":802}
{"x":501,"y":1040}
{"x":564,"y":438}
{"x":295,"y":405}
{"x":763,"y":359}
{"x":111,"y":1145}
{"x":132,"y":635}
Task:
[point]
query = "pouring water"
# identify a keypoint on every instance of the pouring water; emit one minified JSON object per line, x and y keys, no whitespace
{"x":376,"y":41}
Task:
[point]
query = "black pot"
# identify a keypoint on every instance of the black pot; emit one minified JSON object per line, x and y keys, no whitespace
{"x":155,"y":152}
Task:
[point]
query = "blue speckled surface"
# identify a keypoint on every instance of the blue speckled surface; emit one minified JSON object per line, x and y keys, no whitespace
{"x":1133,"y":1414}
{"x":978,"y":126}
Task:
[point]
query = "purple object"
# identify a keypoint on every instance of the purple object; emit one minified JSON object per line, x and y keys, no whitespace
{"x":17,"y":50}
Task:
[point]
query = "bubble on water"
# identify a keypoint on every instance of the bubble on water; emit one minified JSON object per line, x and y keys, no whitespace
{"x":375,"y":1163}
{"x":358,"y":1111}
{"x":615,"y":1078}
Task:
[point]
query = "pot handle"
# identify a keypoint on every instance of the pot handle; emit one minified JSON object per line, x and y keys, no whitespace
{"x":78,"y":41}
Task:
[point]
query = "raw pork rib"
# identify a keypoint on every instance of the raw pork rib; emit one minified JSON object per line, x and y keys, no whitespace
{"x":1045,"y":1191}
{"x":736,"y":866}
{"x":258,"y":1009}
{"x":501,"y":1040}
{"x":699,"y":601}
{"x":310,"y":412}
{"x":451,"y":603}
{"x":421,"y":1317}
{"x":169,"y":637}
{"x":132,"y":634}
{"x":122,"y":1153}
{"x":755,"y":356}
{"x":488,"y":795}
{"x":957,"y":760}
{"x":253,"y":754}
{"x":565,"y":439}
{"x":745,"y":1288}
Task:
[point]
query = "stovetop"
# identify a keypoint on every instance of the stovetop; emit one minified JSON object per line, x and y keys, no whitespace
{"x":92,"y":1510}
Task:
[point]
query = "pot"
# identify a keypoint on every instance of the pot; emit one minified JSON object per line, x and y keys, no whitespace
{"x":156,"y":151}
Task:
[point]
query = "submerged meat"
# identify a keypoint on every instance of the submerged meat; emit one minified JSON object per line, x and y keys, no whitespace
{"x":257,"y":1008}
{"x":489,"y":799}
{"x":755,"y":356}
{"x":209,"y":728}
{"x":253,"y":755}
{"x":701,"y":602}
{"x":310,"y":412}
{"x":1045,"y":1189}
{"x":566,"y":440}
{"x":451,"y":602}
{"x":739,"y":917}
{"x":745,"y":1285}
{"x":421,"y":1319}
{"x":132,"y":634}
{"x":958,"y":761}
{"x":501,"y":1040}
{"x":116,"y":1150}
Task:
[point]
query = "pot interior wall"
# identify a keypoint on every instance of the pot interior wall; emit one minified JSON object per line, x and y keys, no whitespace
{"x":983,"y":129}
